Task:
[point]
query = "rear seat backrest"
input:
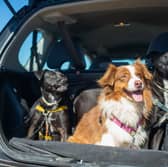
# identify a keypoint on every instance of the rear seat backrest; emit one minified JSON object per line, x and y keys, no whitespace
{"x":85,"y":101}
{"x":18,"y":91}
{"x":12,"y":112}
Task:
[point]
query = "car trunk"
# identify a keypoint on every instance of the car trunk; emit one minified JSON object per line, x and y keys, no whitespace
{"x":107,"y":29}
{"x":18,"y":88}
{"x":60,"y":153}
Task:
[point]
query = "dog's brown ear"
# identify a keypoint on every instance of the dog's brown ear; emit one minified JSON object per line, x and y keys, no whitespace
{"x":147,"y":74}
{"x":108,"y":77}
{"x":147,"y":96}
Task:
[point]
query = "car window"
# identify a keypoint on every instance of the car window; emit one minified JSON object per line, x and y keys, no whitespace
{"x":67,"y":64}
{"x":31,"y":51}
{"x":32,"y":58}
{"x":59,"y":56}
{"x":32,"y":54}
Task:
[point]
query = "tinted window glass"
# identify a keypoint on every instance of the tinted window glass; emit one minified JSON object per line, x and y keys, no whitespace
{"x":31,"y":51}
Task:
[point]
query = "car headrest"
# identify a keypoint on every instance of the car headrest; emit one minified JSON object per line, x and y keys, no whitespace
{"x":159,"y":44}
{"x":86,"y":100}
{"x":100,"y":62}
{"x":58,"y":54}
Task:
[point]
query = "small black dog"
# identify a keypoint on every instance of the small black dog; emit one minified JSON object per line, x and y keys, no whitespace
{"x":158,"y":55}
{"x":49,"y":119}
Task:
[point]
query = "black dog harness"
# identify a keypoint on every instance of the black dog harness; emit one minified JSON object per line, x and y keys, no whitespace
{"x":46,"y":134}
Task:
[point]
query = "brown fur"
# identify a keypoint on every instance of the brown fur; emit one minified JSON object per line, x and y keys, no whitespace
{"x":147,"y":93}
{"x":90,"y":135}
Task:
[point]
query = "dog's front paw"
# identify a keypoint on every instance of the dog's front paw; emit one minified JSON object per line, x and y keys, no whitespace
{"x":133,"y":146}
{"x":140,"y":138}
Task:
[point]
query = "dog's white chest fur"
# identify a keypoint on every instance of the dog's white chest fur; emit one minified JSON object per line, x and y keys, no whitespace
{"x":128,"y":113}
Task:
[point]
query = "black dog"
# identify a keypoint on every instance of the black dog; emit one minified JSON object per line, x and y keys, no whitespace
{"x":49,"y":119}
{"x":158,"y":55}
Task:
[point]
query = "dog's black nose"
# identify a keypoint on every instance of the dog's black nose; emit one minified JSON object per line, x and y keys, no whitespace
{"x":138,"y":84}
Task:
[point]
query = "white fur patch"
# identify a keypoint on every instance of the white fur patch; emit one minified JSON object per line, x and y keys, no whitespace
{"x":128,"y":113}
{"x":140,"y":136}
{"x":134,"y":77}
{"x":115,"y":136}
{"x":125,"y":110}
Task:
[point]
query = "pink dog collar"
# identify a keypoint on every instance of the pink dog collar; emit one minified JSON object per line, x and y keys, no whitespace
{"x":125,"y":127}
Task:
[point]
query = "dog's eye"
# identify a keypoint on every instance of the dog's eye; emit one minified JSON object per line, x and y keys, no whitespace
{"x":123,"y":77}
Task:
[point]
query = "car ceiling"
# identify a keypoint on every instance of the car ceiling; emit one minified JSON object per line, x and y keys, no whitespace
{"x":99,"y":29}
{"x":147,"y":19}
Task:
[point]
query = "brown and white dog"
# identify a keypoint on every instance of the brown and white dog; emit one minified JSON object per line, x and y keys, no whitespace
{"x":123,"y":108}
